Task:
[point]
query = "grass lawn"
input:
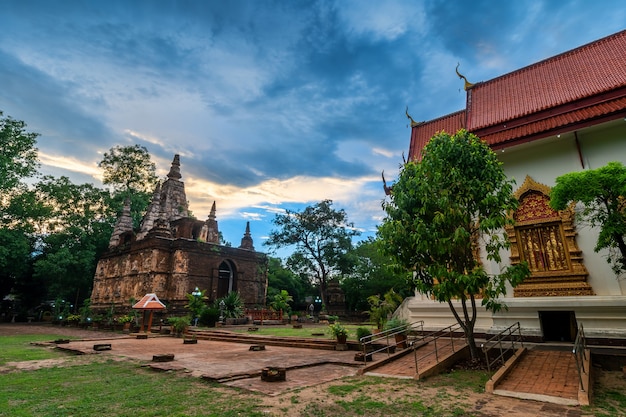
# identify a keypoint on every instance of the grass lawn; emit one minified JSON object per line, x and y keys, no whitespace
{"x":19,"y":348}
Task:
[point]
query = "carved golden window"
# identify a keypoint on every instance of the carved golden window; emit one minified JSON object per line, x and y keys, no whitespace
{"x":546,"y":240}
{"x":543,"y":247}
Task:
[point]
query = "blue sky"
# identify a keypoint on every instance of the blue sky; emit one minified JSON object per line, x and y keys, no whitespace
{"x":272,"y":105}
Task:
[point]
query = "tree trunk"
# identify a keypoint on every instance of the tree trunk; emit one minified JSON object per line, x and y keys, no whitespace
{"x":467,"y":326}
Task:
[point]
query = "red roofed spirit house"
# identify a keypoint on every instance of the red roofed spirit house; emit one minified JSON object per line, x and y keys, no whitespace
{"x":564,"y":114}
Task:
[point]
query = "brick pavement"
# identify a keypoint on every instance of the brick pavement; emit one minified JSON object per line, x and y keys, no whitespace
{"x":544,"y":373}
{"x":405,"y":366}
{"x":233,"y":363}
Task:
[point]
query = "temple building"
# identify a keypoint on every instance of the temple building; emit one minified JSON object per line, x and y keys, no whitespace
{"x":172,"y":254}
{"x":564,"y":114}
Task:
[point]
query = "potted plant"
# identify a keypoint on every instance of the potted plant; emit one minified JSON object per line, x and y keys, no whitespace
{"x":339,"y":331}
{"x":400,"y":329}
{"x":125,"y":322}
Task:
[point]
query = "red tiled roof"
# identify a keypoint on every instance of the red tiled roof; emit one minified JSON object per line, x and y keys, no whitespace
{"x":565,"y":122}
{"x":583,"y":72}
{"x":578,"y":88}
{"x":421,"y":134}
{"x":149,"y":302}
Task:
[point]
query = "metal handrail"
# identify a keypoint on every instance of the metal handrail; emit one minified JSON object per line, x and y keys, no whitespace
{"x":580,"y":345}
{"x":500,"y":341}
{"x":387,"y":339}
{"x":433,"y":338}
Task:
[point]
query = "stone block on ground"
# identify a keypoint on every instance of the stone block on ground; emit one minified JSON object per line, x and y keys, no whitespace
{"x":257,"y":348}
{"x":101,"y":346}
{"x":273,"y":374}
{"x":163,"y":357}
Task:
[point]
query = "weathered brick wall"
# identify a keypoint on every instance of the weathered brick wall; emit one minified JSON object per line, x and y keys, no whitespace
{"x":172,"y":268}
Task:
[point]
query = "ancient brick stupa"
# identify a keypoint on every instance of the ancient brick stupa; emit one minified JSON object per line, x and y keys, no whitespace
{"x":172,"y":254}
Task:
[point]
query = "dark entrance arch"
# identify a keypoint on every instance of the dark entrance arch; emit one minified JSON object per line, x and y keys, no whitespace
{"x":226,"y":279}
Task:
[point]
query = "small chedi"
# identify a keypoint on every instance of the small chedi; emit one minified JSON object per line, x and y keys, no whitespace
{"x":174,"y":253}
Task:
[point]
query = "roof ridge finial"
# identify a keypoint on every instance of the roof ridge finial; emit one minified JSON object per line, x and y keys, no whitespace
{"x":467,"y":85}
{"x":413,"y":122}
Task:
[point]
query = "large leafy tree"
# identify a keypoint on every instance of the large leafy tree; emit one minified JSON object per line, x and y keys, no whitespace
{"x":129,"y":170}
{"x":18,"y":154}
{"x":602,"y":194}
{"x":18,"y":161}
{"x":321,"y":236}
{"x":440,"y":209}
{"x":79,"y":223}
{"x":372,"y":274}
{"x":280,"y":278}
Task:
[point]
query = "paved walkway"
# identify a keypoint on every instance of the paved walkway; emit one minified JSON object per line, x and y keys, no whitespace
{"x":543,"y":374}
{"x":233,"y":363}
{"x":404,"y":366}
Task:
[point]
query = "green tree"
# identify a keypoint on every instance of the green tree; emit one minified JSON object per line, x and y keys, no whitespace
{"x":281,"y":302}
{"x":129,"y":170}
{"x":18,"y":161}
{"x":18,"y":154}
{"x":279,"y":278}
{"x":373,"y":273}
{"x":602,"y":193}
{"x":196,"y":304}
{"x":78,"y":224}
{"x":440,"y":208}
{"x":321,"y":236}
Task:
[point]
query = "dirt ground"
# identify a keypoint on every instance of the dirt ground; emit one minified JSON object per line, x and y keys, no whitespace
{"x":316,"y":397}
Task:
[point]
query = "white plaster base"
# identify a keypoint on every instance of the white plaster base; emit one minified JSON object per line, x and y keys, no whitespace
{"x":601,"y":316}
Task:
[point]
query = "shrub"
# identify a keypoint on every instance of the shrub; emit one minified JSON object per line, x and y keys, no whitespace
{"x":209,"y":316}
{"x":362,"y":332}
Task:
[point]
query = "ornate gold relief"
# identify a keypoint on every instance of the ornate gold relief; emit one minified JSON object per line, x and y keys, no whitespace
{"x":546,"y":239}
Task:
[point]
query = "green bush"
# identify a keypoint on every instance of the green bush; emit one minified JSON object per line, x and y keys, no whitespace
{"x":209,"y":316}
{"x":361,"y":332}
{"x":179,"y":324}
{"x":233,"y":305}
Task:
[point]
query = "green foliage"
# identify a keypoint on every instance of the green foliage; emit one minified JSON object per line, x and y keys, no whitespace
{"x":373,"y":273}
{"x":362,"y":332}
{"x":395,"y":323}
{"x":196,"y":304}
{"x":337,"y":329}
{"x":85,"y":310}
{"x":440,"y":209}
{"x":128,"y":169}
{"x":233,"y":305}
{"x":602,"y":194}
{"x":179,"y":324}
{"x":281,"y":302}
{"x":209,"y":316}
{"x":18,"y":154}
{"x":281,"y":278}
{"x":321,"y":236}
{"x":381,"y":308}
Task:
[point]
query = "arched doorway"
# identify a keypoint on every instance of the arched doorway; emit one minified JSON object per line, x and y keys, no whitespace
{"x":226,"y":279}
